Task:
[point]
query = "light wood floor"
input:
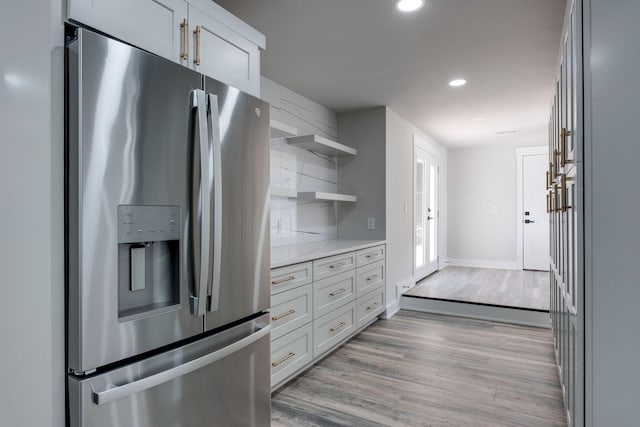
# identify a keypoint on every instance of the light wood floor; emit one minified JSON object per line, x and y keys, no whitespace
{"x":512,"y":288}
{"x":420,"y":369}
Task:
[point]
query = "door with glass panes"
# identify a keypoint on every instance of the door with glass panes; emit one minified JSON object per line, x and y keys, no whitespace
{"x":425,"y":214}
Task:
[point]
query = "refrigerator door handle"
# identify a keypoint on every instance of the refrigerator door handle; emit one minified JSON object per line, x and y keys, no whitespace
{"x":214,"y":129}
{"x":199,"y":102}
{"x":118,"y":392}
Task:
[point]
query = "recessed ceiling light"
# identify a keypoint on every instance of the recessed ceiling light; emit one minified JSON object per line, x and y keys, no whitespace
{"x":478,"y":118}
{"x":409,"y":5}
{"x":457,"y":82}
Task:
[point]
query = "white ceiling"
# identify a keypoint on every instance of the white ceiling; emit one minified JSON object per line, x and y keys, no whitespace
{"x":352,"y":54}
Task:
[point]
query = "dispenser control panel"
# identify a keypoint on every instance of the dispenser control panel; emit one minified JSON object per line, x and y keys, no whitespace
{"x":148,"y":223}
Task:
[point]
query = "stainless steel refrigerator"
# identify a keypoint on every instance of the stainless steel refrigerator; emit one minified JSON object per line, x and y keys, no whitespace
{"x":167,"y":243}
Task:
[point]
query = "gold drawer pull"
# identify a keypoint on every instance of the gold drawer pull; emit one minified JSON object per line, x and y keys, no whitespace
{"x":286,"y":279}
{"x":184,"y":28}
{"x":338,"y":326}
{"x":370,"y":278}
{"x":338,"y":292}
{"x":372,"y":306}
{"x":372,"y":255}
{"x":284,"y":359}
{"x":280,"y":316}
{"x":338,"y":264}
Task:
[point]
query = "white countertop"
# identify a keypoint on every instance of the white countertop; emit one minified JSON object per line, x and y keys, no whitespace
{"x":292,"y":254}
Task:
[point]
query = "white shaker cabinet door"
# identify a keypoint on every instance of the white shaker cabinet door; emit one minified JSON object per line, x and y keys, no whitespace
{"x":153,"y":25}
{"x":219,"y":52}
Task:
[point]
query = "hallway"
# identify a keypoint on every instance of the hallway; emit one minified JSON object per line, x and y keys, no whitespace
{"x":510,"y":288}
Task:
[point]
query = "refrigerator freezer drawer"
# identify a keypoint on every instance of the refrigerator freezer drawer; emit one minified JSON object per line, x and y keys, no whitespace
{"x":223,"y":379}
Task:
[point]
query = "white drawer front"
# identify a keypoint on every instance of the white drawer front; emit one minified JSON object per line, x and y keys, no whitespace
{"x":290,"y":310}
{"x":333,"y":292}
{"x":370,"y":306}
{"x":327,"y":267}
{"x":334,"y":327}
{"x":370,"y":277}
{"x":369,"y":255}
{"x":289,"y":277}
{"x":290,"y":353}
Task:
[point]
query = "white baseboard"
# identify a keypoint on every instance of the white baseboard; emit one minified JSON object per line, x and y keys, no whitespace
{"x":484,"y":263}
{"x":392,"y":308}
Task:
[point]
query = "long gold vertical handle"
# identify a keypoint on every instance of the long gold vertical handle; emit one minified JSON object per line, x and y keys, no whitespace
{"x":548,"y":204}
{"x":196,"y":33}
{"x":565,"y":195}
{"x":557,"y":197}
{"x":184,"y":30}
{"x":548,"y":179}
{"x":564,"y":133}
{"x":284,"y":359}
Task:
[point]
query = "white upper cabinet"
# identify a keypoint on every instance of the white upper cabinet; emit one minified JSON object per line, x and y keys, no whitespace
{"x":198,"y":34}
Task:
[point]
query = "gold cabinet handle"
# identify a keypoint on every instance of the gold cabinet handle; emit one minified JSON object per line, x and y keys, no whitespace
{"x":196,"y":33}
{"x":370,"y":278}
{"x":372,"y":306}
{"x":280,"y":281}
{"x":372,"y":255}
{"x":556,"y":155}
{"x":338,"y":292}
{"x":564,"y":133}
{"x":280,"y":316}
{"x":338,"y":264}
{"x":184,"y":30}
{"x":284,"y":359}
{"x":548,"y":204}
{"x":558,"y":205}
{"x":548,"y":178}
{"x":338,"y":326}
{"x":565,"y":196}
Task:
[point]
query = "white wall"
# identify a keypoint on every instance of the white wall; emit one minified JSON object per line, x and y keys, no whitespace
{"x":31,"y":190}
{"x":482,"y":206}
{"x":612,"y":203}
{"x":399,"y":190}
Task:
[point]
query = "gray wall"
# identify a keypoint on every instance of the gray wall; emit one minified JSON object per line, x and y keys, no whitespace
{"x":612,"y":199}
{"x":364,"y":174}
{"x":31,"y":230}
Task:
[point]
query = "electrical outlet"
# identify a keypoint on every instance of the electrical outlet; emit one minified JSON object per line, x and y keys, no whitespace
{"x":371,"y":223}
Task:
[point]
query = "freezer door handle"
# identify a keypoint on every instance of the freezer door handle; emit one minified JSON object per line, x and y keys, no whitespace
{"x":118,"y":392}
{"x":202,"y":206}
{"x":214,"y":130}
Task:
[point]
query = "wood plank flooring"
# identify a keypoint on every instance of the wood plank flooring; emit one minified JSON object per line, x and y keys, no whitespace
{"x":512,"y":288}
{"x":420,"y":369}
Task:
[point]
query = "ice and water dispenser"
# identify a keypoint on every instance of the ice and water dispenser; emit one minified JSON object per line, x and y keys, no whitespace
{"x":148,"y":260}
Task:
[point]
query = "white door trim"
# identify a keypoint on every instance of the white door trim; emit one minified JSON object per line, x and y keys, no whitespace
{"x":520,"y":153}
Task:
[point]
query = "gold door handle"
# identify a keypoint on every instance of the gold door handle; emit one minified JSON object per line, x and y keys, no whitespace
{"x":184,"y":29}
{"x":548,"y":179}
{"x":284,"y":359}
{"x":338,"y":326}
{"x":564,"y":133}
{"x":338,"y":292}
{"x":196,"y":33}
{"x":565,"y":195}
{"x":370,"y":278}
{"x":548,"y":204}
{"x":372,"y":306}
{"x":336,"y":265}
{"x":280,"y":316}
{"x":286,"y":279}
{"x":557,"y":198}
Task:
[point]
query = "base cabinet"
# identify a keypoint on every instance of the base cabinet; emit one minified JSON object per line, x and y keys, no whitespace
{"x":318,"y":305}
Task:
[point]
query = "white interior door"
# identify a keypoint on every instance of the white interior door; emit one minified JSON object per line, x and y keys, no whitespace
{"x":425,"y":217}
{"x":536,"y":220}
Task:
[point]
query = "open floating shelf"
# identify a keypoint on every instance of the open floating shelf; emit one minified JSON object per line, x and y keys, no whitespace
{"x":290,"y":193}
{"x":322,"y":145}
{"x":281,"y":130}
{"x":335,"y":197}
